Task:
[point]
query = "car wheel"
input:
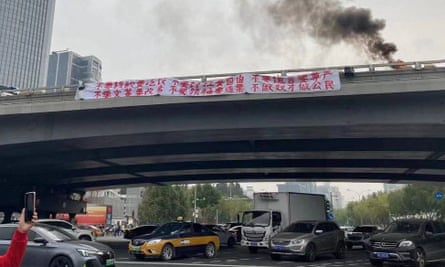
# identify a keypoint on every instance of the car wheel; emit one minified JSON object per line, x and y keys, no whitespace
{"x":420,"y":258}
{"x":61,"y":261}
{"x":340,"y":251}
{"x":311,"y":253}
{"x":168,"y":252}
{"x":210,"y":250}
{"x":376,"y":263}
{"x":231,"y":242}
{"x":275,"y":257}
{"x":85,"y":237}
{"x":238,"y":236}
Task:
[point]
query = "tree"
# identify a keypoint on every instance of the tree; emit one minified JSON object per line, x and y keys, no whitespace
{"x":161,"y":204}
{"x":231,"y":209}
{"x":230,"y":190}
{"x":207,"y":198}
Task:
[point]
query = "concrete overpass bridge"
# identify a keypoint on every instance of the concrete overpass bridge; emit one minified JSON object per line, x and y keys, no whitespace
{"x":384,"y":125}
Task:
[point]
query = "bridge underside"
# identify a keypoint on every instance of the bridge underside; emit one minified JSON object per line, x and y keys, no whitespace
{"x":396,"y":139}
{"x":61,"y":165}
{"x":370,"y":131}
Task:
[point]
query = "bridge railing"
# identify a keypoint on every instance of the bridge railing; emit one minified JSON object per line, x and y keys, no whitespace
{"x":66,"y":93}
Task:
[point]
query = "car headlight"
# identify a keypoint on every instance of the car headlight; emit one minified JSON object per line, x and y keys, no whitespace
{"x":297,"y":241}
{"x":154,"y":241}
{"x":406,"y":243}
{"x":88,"y":252}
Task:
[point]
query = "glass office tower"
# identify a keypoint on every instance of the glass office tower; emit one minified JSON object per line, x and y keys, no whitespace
{"x":69,"y":68}
{"x":25,"y":39}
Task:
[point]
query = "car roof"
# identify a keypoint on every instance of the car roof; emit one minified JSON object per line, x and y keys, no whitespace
{"x":8,"y":224}
{"x":146,"y":225}
{"x":312,"y":221}
{"x":52,"y":220}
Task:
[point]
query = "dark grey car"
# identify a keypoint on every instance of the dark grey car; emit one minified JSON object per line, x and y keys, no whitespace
{"x":308,"y":239}
{"x":51,"y":247}
{"x":411,"y":242}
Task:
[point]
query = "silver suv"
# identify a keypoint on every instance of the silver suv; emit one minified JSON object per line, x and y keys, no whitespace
{"x":360,"y":235}
{"x":71,"y":228}
{"x":308,"y":239}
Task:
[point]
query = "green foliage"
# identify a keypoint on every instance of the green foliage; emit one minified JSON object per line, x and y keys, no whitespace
{"x":230,"y":209}
{"x":341,"y":216}
{"x":162,"y":204}
{"x":230,"y":190}
{"x":207,"y":196}
{"x":417,"y":200}
{"x":380,"y":208}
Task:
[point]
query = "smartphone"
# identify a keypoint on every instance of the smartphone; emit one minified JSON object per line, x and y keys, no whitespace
{"x":30,"y":205}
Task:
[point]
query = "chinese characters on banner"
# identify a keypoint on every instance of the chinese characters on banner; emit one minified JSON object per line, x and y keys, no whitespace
{"x":327,"y":80}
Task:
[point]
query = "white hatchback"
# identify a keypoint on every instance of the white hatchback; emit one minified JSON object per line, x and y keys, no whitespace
{"x":71,"y":228}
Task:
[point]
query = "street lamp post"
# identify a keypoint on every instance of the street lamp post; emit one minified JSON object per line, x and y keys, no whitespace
{"x":195,"y":206}
{"x":195,"y":212}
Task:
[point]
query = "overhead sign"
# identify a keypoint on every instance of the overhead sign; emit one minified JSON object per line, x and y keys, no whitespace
{"x":246,"y":83}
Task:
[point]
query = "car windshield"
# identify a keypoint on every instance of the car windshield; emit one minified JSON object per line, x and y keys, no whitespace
{"x":300,"y":227}
{"x":403,"y":227}
{"x":256,"y":218}
{"x":168,"y":228}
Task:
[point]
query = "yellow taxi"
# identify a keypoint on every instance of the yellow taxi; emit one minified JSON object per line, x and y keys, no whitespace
{"x":174,"y":239}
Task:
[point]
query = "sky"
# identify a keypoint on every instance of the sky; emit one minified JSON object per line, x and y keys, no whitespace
{"x":139,"y":39}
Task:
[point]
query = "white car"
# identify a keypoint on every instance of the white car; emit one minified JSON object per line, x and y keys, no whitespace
{"x":71,"y":228}
{"x":8,"y":91}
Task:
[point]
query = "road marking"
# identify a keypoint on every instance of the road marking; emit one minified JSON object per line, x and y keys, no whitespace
{"x":220,"y":263}
{"x":187,"y":264}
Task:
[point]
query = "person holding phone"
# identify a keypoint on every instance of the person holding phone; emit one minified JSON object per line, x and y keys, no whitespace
{"x":13,"y":257}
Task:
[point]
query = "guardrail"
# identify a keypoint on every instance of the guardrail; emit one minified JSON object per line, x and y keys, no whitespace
{"x":66,"y":93}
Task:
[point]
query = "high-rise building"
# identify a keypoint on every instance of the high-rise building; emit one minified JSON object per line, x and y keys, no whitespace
{"x":25,"y":40}
{"x":299,"y":187}
{"x":332,"y":194}
{"x":69,"y":68}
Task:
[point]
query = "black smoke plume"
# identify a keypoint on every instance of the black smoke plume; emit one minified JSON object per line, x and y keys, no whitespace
{"x":329,"y":22}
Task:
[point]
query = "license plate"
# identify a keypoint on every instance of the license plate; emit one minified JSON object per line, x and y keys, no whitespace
{"x":279,"y":247}
{"x":382,"y":255}
{"x":109,"y":262}
{"x":136,"y":249}
{"x":254,"y":244}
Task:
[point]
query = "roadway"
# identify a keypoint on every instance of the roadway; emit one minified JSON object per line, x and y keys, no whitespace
{"x":237,"y":256}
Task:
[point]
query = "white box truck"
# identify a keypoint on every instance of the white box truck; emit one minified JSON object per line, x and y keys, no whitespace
{"x":273,"y":211}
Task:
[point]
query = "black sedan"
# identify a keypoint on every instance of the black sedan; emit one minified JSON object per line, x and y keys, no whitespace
{"x":52,"y":247}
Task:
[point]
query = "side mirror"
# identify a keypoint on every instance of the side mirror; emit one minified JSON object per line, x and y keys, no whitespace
{"x":40,"y":240}
{"x":318,"y":232}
